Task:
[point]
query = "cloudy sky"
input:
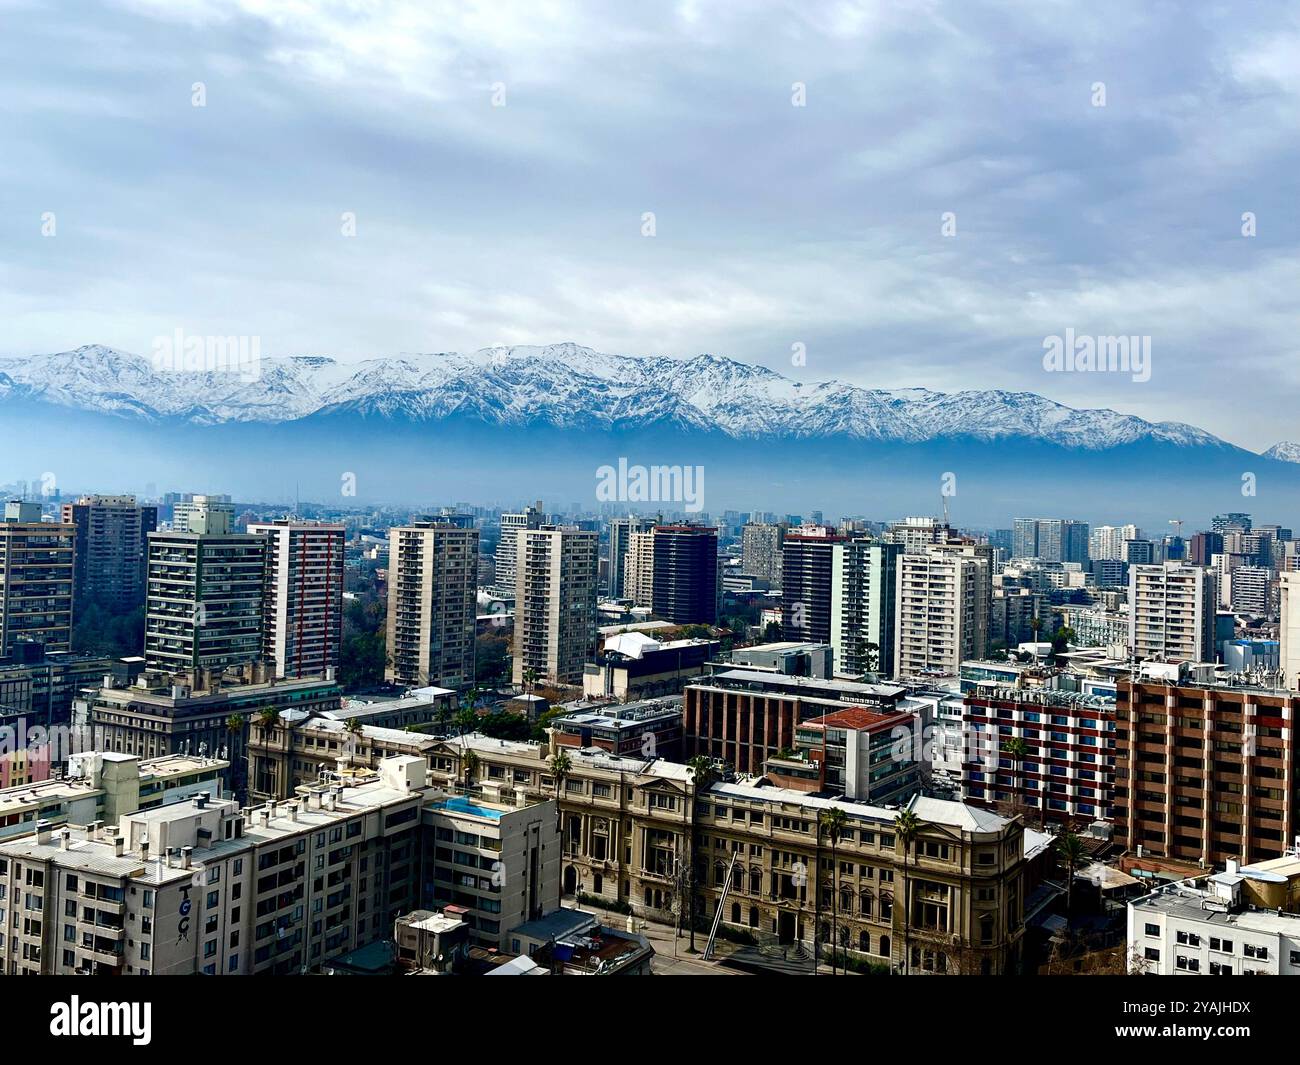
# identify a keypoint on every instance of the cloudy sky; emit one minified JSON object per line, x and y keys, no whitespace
{"x":774,"y":224}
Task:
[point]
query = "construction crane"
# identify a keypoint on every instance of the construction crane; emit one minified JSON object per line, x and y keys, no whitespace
{"x":1177,"y":523}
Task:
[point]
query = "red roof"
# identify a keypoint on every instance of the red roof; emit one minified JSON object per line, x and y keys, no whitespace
{"x":855,"y":717}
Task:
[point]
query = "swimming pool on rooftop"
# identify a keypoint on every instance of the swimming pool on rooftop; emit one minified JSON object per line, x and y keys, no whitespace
{"x":461,"y":805}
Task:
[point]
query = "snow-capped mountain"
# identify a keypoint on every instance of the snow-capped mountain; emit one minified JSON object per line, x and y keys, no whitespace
{"x":564,"y":386}
{"x":1286,"y":451}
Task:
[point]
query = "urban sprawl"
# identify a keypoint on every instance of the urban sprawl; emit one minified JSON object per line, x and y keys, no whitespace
{"x":371,"y":741}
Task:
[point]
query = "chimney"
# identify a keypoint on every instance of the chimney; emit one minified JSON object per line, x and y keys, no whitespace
{"x":1232,"y":866}
{"x":187,"y":857}
{"x":119,"y":847}
{"x":65,"y":839}
{"x":201,"y":800}
{"x":144,"y":849}
{"x":42,"y":832}
{"x":292,"y":807}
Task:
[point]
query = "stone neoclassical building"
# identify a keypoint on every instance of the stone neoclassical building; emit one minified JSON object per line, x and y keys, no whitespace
{"x":627,"y":827}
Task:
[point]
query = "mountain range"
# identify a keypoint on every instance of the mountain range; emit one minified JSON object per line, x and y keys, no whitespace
{"x":506,"y":423}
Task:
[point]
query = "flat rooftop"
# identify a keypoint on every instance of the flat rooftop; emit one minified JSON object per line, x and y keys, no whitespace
{"x":811,"y":685}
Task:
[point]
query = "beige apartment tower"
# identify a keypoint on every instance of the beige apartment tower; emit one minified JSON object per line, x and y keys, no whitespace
{"x":1171,"y":612}
{"x":942,"y":611}
{"x":555,"y":603}
{"x":432,"y":601}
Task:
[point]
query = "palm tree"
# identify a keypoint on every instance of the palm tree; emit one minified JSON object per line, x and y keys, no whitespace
{"x":466,"y":720}
{"x":469,"y":763}
{"x":268,"y":717}
{"x":530,"y":678}
{"x":1015,"y":748}
{"x":353,"y":728}
{"x":907,"y":825}
{"x":1070,"y":852}
{"x":561,"y":767}
{"x":703,"y":773}
{"x":833,"y":822}
{"x":444,"y":717}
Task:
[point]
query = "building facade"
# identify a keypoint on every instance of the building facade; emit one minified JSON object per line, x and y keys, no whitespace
{"x":432,"y":602}
{"x":37,"y":562}
{"x":302,"y":612}
{"x":112,"y":546}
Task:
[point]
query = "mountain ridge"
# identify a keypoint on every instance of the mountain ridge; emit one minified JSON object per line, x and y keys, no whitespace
{"x":566,"y":386}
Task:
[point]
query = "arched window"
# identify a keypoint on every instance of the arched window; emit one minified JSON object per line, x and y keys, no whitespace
{"x":735,"y":913}
{"x":864,"y":942}
{"x":884,"y":946}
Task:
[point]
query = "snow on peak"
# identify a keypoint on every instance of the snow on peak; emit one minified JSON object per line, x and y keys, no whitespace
{"x":568,"y":385}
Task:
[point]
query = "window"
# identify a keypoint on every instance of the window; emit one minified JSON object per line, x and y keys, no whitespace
{"x":1252,"y":951}
{"x":1153,"y":930}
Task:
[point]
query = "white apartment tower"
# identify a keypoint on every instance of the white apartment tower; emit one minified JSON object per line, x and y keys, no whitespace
{"x":942,"y":611}
{"x":620,"y":539}
{"x":1107,"y":541}
{"x":864,"y":589}
{"x":1171,"y":612}
{"x":555,"y":603}
{"x":432,"y":583}
{"x":302,"y":609}
{"x":529,"y":518}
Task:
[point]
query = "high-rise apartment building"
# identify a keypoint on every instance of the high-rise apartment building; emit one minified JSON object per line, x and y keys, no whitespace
{"x":943,"y":610}
{"x":760,"y":551}
{"x":1107,"y":541}
{"x":1205,"y":772}
{"x":620,"y":541}
{"x":1288,"y":630}
{"x":673,"y":569}
{"x":36,"y":579}
{"x":807,"y":560}
{"x":1250,"y":590}
{"x":531,"y":517}
{"x":203,"y":606}
{"x":864,"y":591}
{"x":1234,"y":520}
{"x":1171,"y":612}
{"x":1203,"y":547}
{"x":555,"y":603}
{"x":1051,"y":539}
{"x":432,"y":584}
{"x":918,"y":533}
{"x":189,"y":506}
{"x":302,"y":611}
{"x":112,"y":549}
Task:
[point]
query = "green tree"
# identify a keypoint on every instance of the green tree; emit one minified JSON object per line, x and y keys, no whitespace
{"x":703,"y":774}
{"x":1071,"y":853}
{"x":907,"y":825}
{"x":1015,"y":749}
{"x":832,"y":822}
{"x":469,"y":765}
{"x":561,"y":767}
{"x":352,"y":726}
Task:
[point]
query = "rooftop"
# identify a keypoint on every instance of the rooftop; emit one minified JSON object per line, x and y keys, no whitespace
{"x":801,"y":685}
{"x":853,"y":717}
